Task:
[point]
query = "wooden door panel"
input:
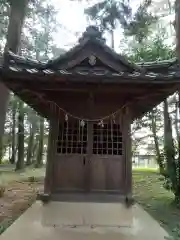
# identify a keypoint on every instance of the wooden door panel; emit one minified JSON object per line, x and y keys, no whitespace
{"x":69,"y":173}
{"x":106,"y":174}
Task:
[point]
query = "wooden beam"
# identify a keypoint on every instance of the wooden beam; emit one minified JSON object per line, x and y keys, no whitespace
{"x":127,"y":151}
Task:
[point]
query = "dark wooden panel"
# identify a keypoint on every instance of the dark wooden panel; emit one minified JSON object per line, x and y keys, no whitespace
{"x":69,"y":173}
{"x":106,"y":174}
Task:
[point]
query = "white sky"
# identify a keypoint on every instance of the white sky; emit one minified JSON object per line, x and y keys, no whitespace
{"x":71,"y":15}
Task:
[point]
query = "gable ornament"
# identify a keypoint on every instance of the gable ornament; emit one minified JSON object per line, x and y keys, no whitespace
{"x":92,"y":60}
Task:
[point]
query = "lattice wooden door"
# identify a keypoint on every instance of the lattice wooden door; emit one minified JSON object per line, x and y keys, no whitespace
{"x":106,"y":162}
{"x":71,"y":153}
{"x":89,"y":157}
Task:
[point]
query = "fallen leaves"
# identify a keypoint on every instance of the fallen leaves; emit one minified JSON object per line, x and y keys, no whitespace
{"x":17,"y":198}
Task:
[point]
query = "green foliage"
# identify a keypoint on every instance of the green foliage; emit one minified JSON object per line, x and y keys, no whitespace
{"x":4,"y":20}
{"x":40,"y":26}
{"x":36,"y":42}
{"x":140,"y":24}
{"x":108,"y":14}
{"x":153,"y":50}
{"x":168,"y":160}
{"x":148,"y":192}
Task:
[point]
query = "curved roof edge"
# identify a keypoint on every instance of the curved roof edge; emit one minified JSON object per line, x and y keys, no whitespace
{"x":91,"y":37}
{"x":158,"y":63}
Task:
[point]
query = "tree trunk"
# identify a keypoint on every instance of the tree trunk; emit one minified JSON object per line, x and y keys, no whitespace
{"x":20,"y":160}
{"x":159,"y":158}
{"x":177,"y":120}
{"x":178,"y":138}
{"x":41,"y":144}
{"x":16,"y":19}
{"x":1,"y":147}
{"x":169,"y":149}
{"x":30,"y":145}
{"x":177,"y":27}
{"x":9,"y":148}
{"x":35,"y":149}
{"x":13,"y":145}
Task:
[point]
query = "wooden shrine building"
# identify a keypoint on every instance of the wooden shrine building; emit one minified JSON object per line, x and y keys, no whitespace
{"x":90,"y":95}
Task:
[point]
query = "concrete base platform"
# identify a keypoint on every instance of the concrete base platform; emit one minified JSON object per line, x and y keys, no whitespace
{"x":84,"y":221}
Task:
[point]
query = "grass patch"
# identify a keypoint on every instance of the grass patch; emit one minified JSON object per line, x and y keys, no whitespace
{"x":143,"y":169}
{"x":8,"y":174}
{"x":149,"y":192}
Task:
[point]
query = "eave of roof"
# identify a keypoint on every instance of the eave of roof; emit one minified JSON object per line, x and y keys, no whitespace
{"x":27,"y":63}
{"x":170,"y":68}
{"x":92,"y":76}
{"x":92,"y":36}
{"x":158,"y":64}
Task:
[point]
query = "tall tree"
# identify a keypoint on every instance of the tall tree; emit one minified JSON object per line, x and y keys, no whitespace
{"x":173,"y":161}
{"x":20,"y":160}
{"x":169,"y":149}
{"x":140,"y":24}
{"x":151,"y":51}
{"x":13,"y":142}
{"x":4,"y":14}
{"x":32,"y":122}
{"x":107,"y":14}
{"x":16,"y":19}
{"x":177,"y":27}
{"x":43,"y":46}
{"x":154,"y":127}
{"x":40,"y":144}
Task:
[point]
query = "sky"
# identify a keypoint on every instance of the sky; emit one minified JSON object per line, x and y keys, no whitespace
{"x":71,"y":15}
{"x":74,"y":22}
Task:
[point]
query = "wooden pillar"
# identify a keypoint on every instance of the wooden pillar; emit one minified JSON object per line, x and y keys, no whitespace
{"x":89,"y":158}
{"x":50,"y":159}
{"x":90,"y":106}
{"x":127,"y":153}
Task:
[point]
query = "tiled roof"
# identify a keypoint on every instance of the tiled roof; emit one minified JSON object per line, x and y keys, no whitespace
{"x":28,"y":66}
{"x":66,"y":63}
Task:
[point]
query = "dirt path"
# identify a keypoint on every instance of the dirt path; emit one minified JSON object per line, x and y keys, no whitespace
{"x":17,"y":198}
